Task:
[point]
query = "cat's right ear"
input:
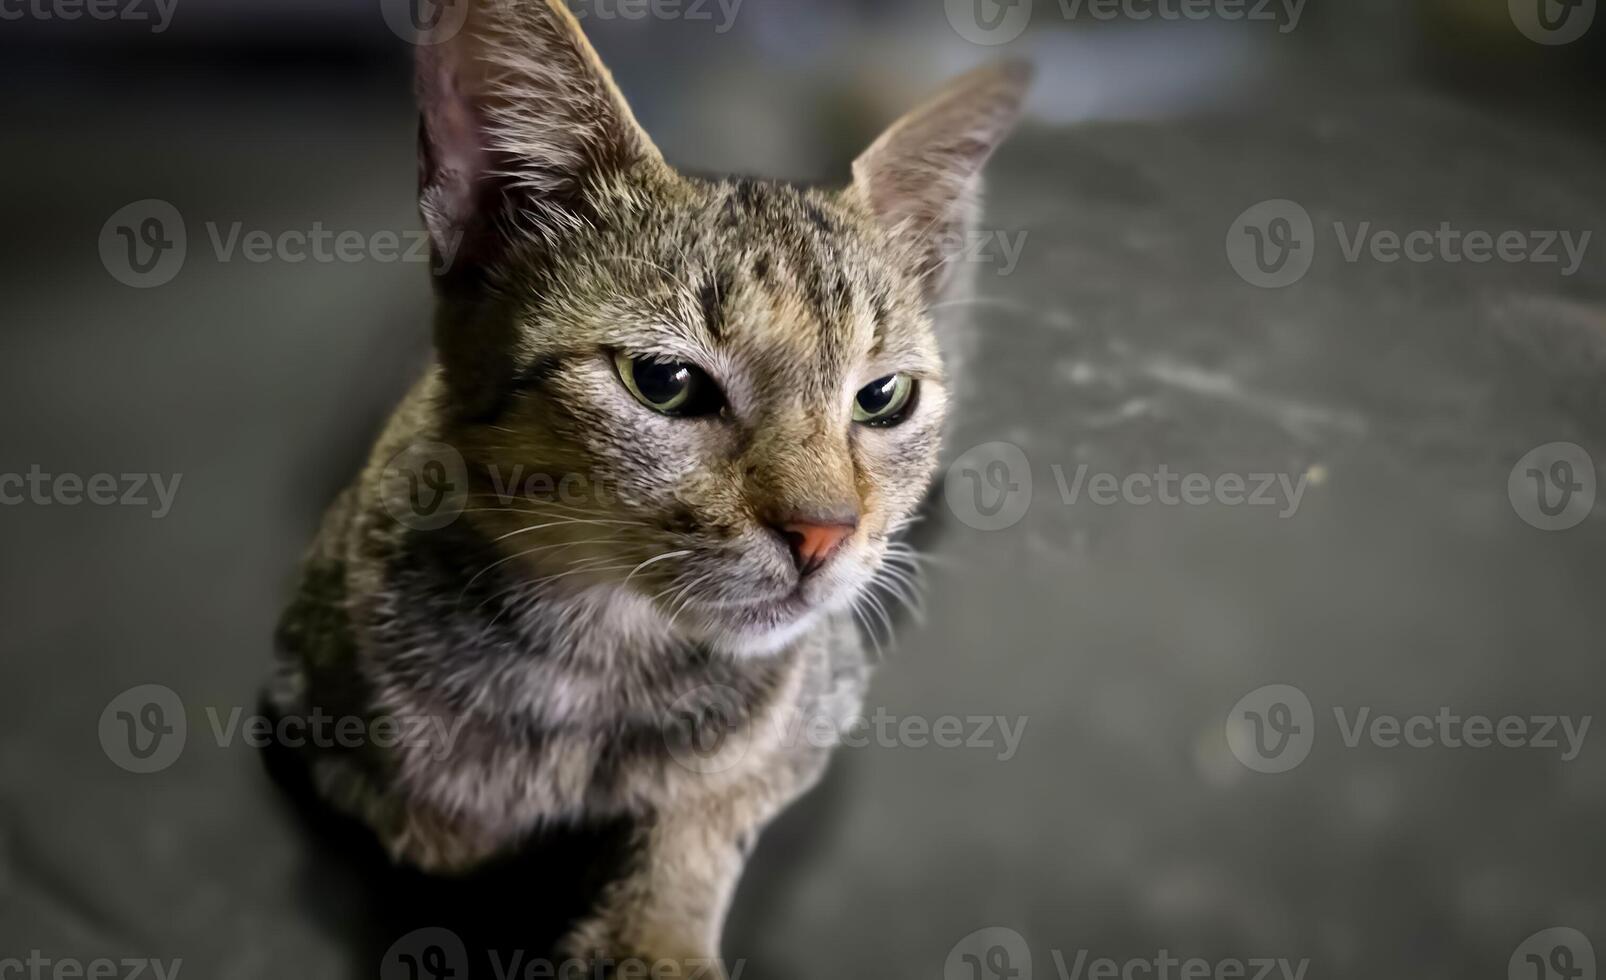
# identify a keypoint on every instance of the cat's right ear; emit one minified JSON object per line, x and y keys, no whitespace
{"x":519,"y":118}
{"x":923,"y":176}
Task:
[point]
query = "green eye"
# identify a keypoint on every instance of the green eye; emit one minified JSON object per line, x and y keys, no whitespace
{"x":669,"y":388}
{"x":885,"y":402}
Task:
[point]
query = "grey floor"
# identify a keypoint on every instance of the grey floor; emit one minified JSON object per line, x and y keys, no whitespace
{"x":1120,"y":636}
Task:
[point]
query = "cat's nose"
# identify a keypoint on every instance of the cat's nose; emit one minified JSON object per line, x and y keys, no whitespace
{"x":815,"y":539}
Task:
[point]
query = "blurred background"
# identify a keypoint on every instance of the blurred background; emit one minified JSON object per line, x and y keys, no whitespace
{"x":1184,"y":269}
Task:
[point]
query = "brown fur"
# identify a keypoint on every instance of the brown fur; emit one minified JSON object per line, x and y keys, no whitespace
{"x":562,"y":639}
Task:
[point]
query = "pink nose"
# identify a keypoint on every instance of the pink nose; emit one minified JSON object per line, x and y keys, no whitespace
{"x":813,"y":542}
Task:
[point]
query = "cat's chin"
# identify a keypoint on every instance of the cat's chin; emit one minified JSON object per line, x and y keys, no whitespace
{"x":758,"y":627}
{"x":759,"y":630}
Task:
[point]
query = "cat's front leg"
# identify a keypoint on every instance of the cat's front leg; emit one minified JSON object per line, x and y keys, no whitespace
{"x":667,"y":911}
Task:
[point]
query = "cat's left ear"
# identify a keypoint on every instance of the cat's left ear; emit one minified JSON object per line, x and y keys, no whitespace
{"x":922,"y":178}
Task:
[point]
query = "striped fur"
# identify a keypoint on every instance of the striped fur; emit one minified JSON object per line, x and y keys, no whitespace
{"x":564,"y":641}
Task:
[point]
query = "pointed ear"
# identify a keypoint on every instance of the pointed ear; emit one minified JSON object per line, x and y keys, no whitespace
{"x":519,"y":117}
{"x":922,"y":178}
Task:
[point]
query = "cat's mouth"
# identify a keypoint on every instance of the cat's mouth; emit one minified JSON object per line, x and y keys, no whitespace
{"x":771,"y":607}
{"x":787,"y":605}
{"x":757,"y":624}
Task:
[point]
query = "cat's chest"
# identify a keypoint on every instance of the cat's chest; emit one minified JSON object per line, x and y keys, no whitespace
{"x":549,"y":736}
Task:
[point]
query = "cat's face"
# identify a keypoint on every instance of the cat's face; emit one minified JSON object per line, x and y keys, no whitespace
{"x":723,"y":399}
{"x":705,"y":371}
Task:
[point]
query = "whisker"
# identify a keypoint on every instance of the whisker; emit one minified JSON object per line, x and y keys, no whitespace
{"x":864,"y":622}
{"x":881,"y":612}
{"x":498,"y":564}
{"x":529,"y":582}
{"x":904,"y":588}
{"x":996,"y":302}
{"x":653,"y":561}
{"x":564,"y":523}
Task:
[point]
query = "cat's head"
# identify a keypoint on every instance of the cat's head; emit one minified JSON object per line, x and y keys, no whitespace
{"x":724,"y":398}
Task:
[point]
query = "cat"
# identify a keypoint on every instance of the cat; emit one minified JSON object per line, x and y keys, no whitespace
{"x":736,"y":385}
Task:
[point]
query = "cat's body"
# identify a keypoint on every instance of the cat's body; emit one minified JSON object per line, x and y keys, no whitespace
{"x":661,"y":631}
{"x":527,"y":712}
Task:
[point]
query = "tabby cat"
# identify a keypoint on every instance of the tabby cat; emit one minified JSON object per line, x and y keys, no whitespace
{"x":687,"y":420}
